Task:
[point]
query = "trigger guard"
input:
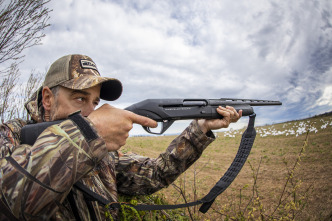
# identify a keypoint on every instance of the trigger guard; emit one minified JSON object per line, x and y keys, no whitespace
{"x":165,"y":125}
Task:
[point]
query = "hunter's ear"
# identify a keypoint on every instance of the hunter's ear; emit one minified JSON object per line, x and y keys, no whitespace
{"x":47,"y":98}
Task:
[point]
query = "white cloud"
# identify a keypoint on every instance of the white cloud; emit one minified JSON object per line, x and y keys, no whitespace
{"x":326,"y":98}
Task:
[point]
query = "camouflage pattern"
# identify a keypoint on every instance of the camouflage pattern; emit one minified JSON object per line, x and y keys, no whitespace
{"x":61,"y":156}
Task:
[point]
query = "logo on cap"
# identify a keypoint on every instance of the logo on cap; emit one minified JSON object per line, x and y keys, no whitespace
{"x":86,"y":64}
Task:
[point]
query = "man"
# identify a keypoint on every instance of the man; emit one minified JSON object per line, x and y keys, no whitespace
{"x":37,"y":181}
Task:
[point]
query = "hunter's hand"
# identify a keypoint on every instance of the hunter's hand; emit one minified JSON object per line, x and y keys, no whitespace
{"x":114,"y":124}
{"x":229,"y":116}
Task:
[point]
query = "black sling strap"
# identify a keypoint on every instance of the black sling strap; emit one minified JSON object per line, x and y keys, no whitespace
{"x":246,"y":144}
{"x":247,"y":141}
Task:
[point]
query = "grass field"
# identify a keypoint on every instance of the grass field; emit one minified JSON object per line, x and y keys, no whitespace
{"x":267,"y":188}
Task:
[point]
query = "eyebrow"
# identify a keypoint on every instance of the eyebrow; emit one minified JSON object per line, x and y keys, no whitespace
{"x":84,"y":93}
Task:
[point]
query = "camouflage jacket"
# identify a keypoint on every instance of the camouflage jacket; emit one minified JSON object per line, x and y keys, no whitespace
{"x":62,"y":156}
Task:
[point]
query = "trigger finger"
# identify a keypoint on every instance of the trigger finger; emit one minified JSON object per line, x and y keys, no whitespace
{"x":144,"y":121}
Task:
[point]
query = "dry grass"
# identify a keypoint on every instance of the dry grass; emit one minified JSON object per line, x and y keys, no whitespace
{"x":270,"y":154}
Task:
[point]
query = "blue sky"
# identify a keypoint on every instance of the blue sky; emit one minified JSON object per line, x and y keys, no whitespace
{"x":276,"y":50}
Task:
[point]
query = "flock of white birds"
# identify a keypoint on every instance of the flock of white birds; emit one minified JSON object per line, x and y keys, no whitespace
{"x":295,"y":128}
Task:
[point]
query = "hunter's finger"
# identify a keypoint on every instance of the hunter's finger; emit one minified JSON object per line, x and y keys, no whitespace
{"x":234,"y":113}
{"x":231,"y":109}
{"x":144,"y":121}
{"x":223,"y":111}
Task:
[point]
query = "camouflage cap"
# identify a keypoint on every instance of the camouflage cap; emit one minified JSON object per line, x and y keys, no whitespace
{"x":80,"y":72}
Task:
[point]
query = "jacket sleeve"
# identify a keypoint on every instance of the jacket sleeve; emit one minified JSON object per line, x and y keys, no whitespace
{"x":138,"y":175}
{"x":61,"y":155}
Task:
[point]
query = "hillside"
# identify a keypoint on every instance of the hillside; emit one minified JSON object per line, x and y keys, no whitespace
{"x":257,"y":191}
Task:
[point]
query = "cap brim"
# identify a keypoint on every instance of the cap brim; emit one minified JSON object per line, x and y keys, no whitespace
{"x":111,"y":88}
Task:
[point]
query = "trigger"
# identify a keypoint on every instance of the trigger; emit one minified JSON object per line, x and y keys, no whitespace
{"x":147,"y":129}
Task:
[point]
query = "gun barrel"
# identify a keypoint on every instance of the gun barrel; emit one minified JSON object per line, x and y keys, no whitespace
{"x":251,"y":102}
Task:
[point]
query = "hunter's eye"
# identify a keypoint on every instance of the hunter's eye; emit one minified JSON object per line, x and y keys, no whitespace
{"x":80,"y":99}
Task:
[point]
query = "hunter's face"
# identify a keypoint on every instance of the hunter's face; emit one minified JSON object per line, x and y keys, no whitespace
{"x":68,"y":101}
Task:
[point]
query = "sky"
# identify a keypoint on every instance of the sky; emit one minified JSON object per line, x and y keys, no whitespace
{"x":260,"y":49}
